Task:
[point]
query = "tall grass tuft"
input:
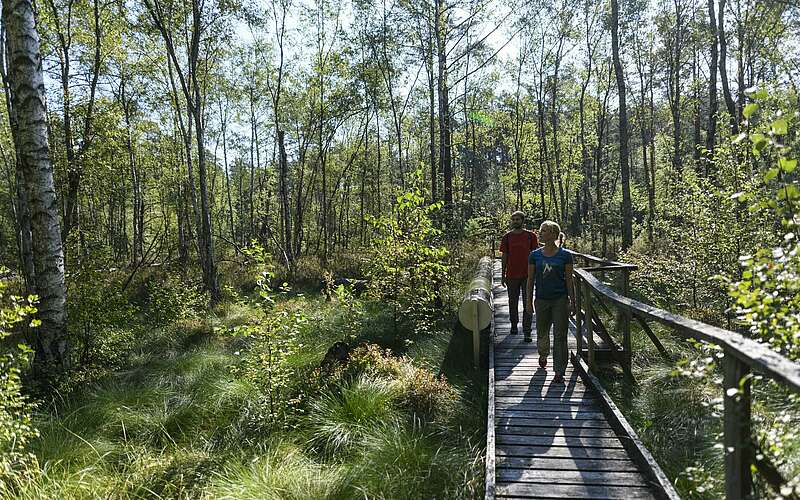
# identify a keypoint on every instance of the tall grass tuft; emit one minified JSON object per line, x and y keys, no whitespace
{"x":337,"y":421}
{"x":280,"y":472}
{"x":402,"y":461}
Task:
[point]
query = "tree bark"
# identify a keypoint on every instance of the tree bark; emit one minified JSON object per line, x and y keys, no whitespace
{"x":27,"y":87}
{"x":713,"y":105}
{"x":194,"y":103}
{"x":723,"y":68}
{"x":627,"y":222}
{"x":444,"y":103}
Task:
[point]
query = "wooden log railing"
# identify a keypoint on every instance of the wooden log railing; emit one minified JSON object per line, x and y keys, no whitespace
{"x":742,"y":357}
{"x":477,"y":307}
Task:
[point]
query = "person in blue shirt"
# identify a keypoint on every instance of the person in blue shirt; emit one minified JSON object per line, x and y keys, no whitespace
{"x":550,"y":269}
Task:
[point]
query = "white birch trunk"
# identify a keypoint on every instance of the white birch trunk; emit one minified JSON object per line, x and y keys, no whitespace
{"x":27,"y":88}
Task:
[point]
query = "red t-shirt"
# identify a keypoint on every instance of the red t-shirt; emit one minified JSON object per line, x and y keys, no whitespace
{"x":517,"y":247}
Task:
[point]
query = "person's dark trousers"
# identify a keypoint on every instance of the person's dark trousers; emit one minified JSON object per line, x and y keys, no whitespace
{"x":516,"y":288}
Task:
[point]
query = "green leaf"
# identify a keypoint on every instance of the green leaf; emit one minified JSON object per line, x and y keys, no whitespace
{"x":780,"y":127}
{"x":788,"y":165}
{"x":771,"y":174}
{"x":750,"y":109}
{"x":759,"y":142}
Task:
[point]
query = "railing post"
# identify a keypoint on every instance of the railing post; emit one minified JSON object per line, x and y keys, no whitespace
{"x":476,"y":337}
{"x":587,"y":299}
{"x":736,"y":384}
{"x":579,"y":315}
{"x":625,"y":316}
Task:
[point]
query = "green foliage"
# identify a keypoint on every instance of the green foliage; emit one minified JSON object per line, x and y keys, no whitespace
{"x":171,"y":298}
{"x":272,"y":339}
{"x":767,"y":296}
{"x":101,"y":319}
{"x":352,"y":312}
{"x":426,"y":396}
{"x":401,"y":462}
{"x":409,"y":266}
{"x":17,"y":463}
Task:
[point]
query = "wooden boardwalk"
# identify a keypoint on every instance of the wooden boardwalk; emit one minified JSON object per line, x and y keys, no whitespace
{"x":553,"y":440}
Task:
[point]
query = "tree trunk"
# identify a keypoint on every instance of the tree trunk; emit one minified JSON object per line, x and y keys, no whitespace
{"x":518,"y":130}
{"x":444,"y":103}
{"x":627,"y":222}
{"x":432,"y":113}
{"x":27,"y":87}
{"x":713,"y":105}
{"x":723,"y":68}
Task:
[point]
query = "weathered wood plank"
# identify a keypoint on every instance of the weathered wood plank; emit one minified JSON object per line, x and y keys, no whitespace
{"x":540,"y":422}
{"x":552,"y":441}
{"x":534,"y":393}
{"x":576,"y":464}
{"x":555,"y":431}
{"x":554,"y":415}
{"x":546,"y":476}
{"x":534,"y":490}
{"x":548,"y":406}
{"x":556,"y":452}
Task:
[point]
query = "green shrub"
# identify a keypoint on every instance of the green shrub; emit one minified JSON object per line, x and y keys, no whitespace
{"x":410,"y":265}
{"x":17,"y":464}
{"x":425,"y":395}
{"x":170,"y":298}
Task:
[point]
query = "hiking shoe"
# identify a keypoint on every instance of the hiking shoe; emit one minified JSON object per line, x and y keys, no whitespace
{"x":543,"y":361}
{"x":528,"y":338}
{"x":514,"y":330}
{"x":559,"y":378}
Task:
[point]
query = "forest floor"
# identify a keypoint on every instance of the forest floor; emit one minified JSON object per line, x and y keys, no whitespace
{"x":194,"y":411}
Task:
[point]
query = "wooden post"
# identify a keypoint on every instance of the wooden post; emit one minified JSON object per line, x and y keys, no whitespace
{"x":738,"y":478}
{"x":625,"y":316}
{"x":476,"y":337}
{"x":579,"y":315}
{"x":587,"y":299}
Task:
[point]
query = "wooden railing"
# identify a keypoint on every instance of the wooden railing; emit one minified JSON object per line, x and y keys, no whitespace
{"x":742,"y":356}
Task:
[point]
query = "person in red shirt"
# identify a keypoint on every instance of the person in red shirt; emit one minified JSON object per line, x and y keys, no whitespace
{"x":516,"y":245}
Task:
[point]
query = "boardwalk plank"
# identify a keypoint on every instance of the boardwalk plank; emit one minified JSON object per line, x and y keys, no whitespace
{"x":546,"y":476}
{"x":572,"y":441}
{"x":576,"y":464}
{"x":573,"y":452}
{"x":533,"y":490}
{"x":555,"y":431}
{"x":554,"y":415}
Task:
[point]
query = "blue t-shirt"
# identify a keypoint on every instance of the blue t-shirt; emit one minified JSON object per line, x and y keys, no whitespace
{"x":550,"y":278}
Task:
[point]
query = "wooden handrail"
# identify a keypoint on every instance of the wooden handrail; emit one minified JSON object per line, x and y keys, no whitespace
{"x":759,"y":356}
{"x":609,"y":265}
{"x":742,"y":356}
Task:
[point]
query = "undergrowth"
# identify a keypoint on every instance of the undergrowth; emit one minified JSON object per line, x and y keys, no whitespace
{"x":176,"y":416}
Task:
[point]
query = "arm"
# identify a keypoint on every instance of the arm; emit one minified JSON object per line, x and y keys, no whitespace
{"x":570,"y":287}
{"x":503,"y":261}
{"x":529,"y":288}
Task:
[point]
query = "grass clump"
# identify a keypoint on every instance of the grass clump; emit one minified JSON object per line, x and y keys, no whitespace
{"x":337,"y":422}
{"x":282,"y":471}
{"x":401,"y":461}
